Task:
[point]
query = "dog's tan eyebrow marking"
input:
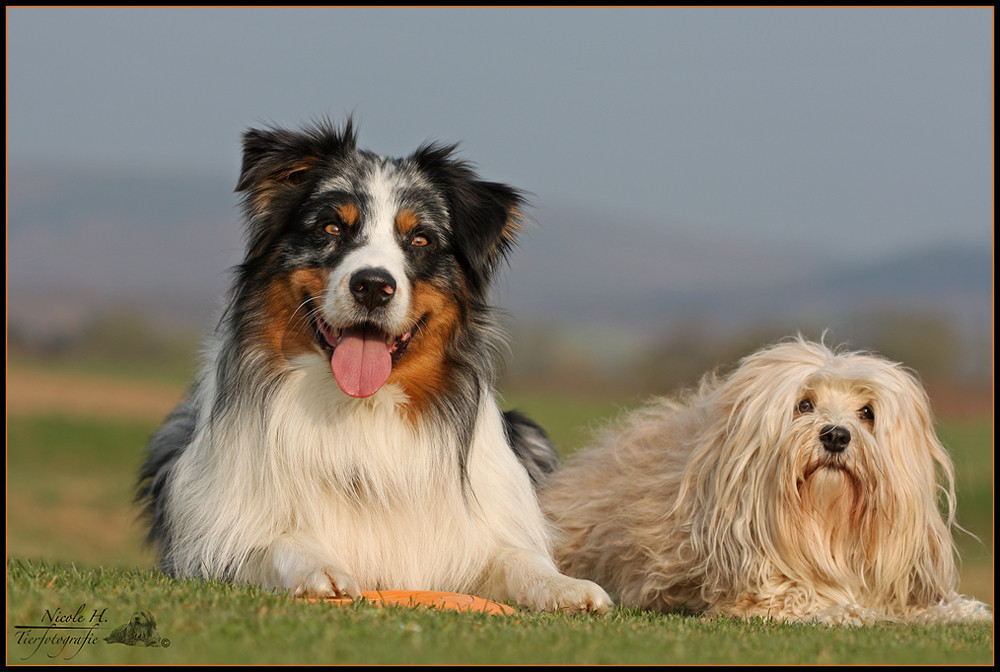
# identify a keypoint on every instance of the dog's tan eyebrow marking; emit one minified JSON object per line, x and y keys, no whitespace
{"x":406,"y":221}
{"x":348,"y":213}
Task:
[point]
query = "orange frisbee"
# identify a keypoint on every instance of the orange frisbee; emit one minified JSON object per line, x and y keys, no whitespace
{"x":424,"y":598}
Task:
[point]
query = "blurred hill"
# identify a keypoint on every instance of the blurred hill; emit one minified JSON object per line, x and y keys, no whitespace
{"x":81,"y":242}
{"x":664,"y":303}
{"x":134,"y":257}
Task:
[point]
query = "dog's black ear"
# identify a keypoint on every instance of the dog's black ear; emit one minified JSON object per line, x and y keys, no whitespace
{"x":485,"y":216}
{"x":278,"y":167}
{"x":277,"y":161}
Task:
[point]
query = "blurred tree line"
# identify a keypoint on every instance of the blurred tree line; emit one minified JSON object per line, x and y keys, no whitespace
{"x":120,"y":341}
{"x":929,"y":344}
{"x":550,"y":357}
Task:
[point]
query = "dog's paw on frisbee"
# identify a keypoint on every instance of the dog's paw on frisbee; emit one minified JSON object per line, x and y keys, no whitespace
{"x":424,"y":598}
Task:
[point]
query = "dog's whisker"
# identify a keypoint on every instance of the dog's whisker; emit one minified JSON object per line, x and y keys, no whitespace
{"x":307,"y":313}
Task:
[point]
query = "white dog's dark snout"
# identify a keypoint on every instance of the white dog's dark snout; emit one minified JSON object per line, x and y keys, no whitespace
{"x":834,"y":438}
{"x":372,"y":287}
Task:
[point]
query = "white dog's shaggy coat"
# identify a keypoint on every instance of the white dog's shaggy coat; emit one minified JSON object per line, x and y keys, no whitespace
{"x":804,"y":485}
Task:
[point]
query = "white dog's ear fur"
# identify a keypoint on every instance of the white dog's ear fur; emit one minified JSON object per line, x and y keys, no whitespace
{"x":923,"y":514}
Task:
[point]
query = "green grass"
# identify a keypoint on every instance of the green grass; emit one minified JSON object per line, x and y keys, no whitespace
{"x":214,"y":623}
{"x":72,"y":540}
{"x":70,"y":485}
{"x":164,"y":368}
{"x":971,"y":447}
{"x":569,"y":420}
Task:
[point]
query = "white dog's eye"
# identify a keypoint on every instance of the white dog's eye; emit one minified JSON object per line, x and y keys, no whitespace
{"x":805,"y":406}
{"x":866,"y":413}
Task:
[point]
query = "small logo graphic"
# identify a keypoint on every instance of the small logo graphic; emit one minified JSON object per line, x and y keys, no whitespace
{"x":64,"y":633}
{"x":139,"y":631}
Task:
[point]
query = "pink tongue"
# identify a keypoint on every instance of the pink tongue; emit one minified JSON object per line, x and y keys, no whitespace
{"x":361,"y":362}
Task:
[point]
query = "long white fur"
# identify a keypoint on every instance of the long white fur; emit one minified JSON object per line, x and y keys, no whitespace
{"x":706,"y":503}
{"x":365,"y":508}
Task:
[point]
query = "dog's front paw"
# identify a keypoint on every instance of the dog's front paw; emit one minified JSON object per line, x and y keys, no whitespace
{"x":325,"y":582}
{"x":562,"y":593}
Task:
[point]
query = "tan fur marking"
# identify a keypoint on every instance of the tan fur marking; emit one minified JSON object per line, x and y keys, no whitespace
{"x":514,"y":224}
{"x":306,"y":163}
{"x":265,"y":190}
{"x":348,"y":213}
{"x":422,"y":371}
{"x":406,"y":221}
{"x":287,"y":330}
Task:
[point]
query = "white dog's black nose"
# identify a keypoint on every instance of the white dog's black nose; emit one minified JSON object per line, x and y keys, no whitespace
{"x":834,"y":438}
{"x":372,"y":287}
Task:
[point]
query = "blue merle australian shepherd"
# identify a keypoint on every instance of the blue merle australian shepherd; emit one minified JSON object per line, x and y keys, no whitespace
{"x":343,"y":434}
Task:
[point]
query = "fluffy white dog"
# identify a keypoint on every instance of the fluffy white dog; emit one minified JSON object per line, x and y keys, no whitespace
{"x":803,"y":485}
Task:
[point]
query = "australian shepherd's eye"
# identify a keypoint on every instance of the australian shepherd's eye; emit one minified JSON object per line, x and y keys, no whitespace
{"x":420,"y":241}
{"x":332,"y":229}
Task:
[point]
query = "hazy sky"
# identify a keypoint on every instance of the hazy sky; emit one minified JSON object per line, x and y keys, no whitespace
{"x":867,"y":130}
